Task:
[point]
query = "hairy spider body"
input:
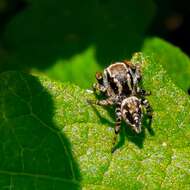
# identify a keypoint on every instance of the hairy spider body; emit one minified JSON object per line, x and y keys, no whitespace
{"x":120,"y":83}
{"x":120,"y":78}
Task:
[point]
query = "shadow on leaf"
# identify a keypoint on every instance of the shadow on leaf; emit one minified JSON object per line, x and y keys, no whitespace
{"x":34,"y":153}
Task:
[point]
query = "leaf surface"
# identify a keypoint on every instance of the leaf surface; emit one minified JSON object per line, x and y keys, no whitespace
{"x":52,"y":139}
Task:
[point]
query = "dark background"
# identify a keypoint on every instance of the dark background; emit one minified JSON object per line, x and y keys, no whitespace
{"x":171,"y":21}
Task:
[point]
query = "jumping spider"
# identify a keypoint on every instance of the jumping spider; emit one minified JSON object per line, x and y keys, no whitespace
{"x":120,"y":84}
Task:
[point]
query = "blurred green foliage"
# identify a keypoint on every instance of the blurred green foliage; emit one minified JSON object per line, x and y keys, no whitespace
{"x":48,"y":32}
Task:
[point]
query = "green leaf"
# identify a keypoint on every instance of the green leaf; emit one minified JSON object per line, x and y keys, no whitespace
{"x":49,"y":35}
{"x":52,"y":139}
{"x":174,"y":61}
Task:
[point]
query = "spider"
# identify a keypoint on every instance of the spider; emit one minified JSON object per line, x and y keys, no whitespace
{"x":120,"y":83}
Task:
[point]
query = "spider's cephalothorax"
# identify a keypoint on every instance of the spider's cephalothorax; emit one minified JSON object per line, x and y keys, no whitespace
{"x":120,"y":83}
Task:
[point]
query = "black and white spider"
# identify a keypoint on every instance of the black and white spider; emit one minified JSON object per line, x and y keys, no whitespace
{"x":120,"y":83}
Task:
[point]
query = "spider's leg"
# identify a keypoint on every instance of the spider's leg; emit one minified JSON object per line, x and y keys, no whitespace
{"x":117,"y":123}
{"x":149,"y":109}
{"x":98,"y":87}
{"x":138,"y":73}
{"x":105,"y":102}
{"x":143,"y":92}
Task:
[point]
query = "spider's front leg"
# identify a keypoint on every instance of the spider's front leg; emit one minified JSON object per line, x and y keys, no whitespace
{"x":98,"y":87}
{"x":117,"y":124}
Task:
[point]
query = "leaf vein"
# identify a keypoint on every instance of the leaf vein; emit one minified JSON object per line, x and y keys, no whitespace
{"x":43,"y":176}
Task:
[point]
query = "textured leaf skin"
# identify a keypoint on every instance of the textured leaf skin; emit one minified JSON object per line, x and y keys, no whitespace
{"x":51,"y":137}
